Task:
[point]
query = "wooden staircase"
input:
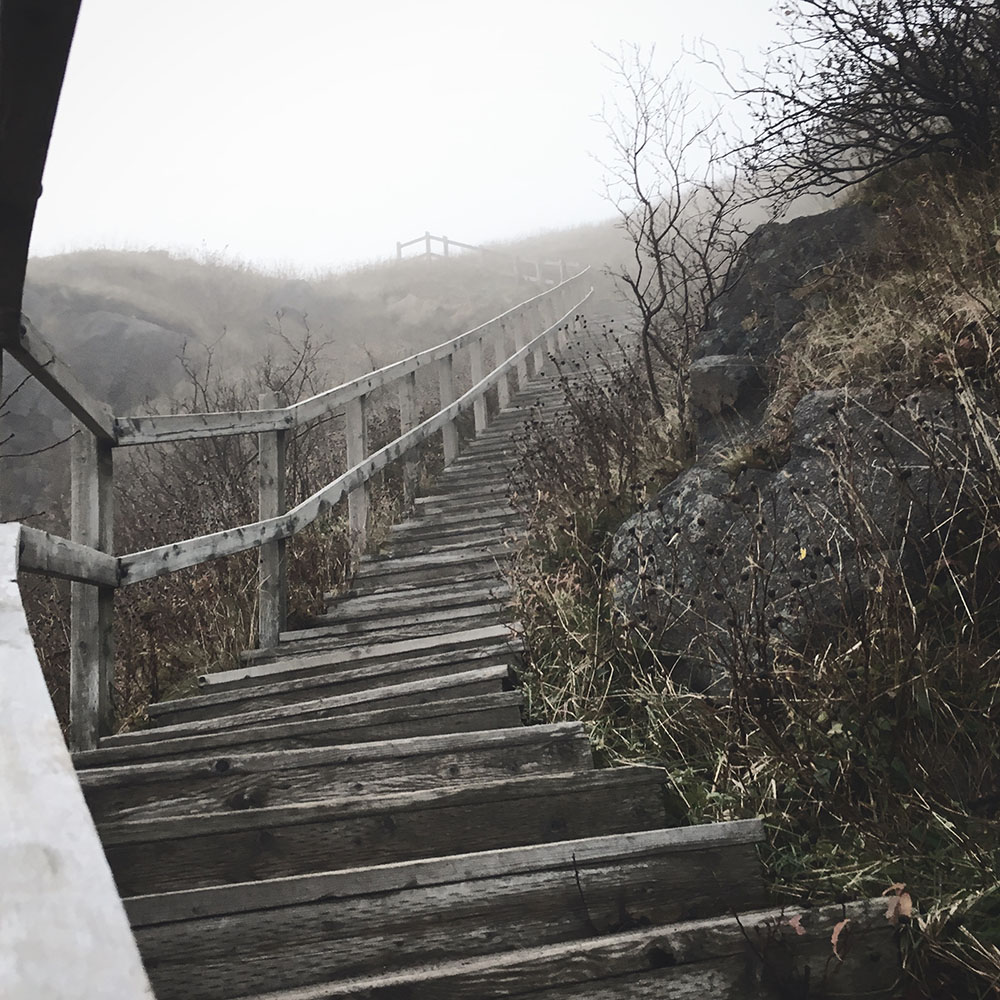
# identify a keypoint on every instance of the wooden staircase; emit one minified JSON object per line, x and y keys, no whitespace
{"x":360,"y":812}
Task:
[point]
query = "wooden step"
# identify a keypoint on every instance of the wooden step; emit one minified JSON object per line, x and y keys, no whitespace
{"x":349,"y":610}
{"x":432,"y":544}
{"x":501,"y":710}
{"x":396,"y":627}
{"x":311,"y":657}
{"x":368,"y":677}
{"x":475,"y":574}
{"x":188,"y":852}
{"x":226,"y":941}
{"x":248,"y":780}
{"x":424,"y":523}
{"x":749,"y":956}
{"x":393,"y":617}
{"x":468,"y":683}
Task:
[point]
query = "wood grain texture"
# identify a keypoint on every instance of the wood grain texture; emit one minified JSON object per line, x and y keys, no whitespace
{"x":184,"y":852}
{"x":343,"y":936}
{"x":255,"y":780}
{"x":754,"y":955}
{"x":500,"y":710}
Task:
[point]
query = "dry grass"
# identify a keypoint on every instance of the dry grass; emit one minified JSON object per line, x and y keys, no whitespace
{"x":876,"y":762}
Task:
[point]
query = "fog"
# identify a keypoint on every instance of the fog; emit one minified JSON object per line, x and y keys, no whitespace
{"x":311,"y":135}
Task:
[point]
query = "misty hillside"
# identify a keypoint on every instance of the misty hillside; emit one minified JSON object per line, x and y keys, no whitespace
{"x":130,"y":322}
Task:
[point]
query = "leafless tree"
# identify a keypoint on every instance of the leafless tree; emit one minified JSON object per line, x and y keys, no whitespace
{"x":680,"y":203}
{"x":858,"y":86}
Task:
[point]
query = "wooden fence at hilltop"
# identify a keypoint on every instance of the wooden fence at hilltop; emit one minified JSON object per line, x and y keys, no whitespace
{"x":545,"y":272}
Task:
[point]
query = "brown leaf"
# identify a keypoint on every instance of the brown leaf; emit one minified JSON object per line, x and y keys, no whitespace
{"x":838,"y":929}
{"x":796,"y":924}
{"x":900,"y":904}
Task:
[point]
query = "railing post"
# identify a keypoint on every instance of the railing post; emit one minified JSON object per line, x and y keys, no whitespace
{"x":520,"y":339}
{"x":407,"y":421}
{"x":446,"y":382}
{"x":356,"y":413}
{"x":444,"y":246}
{"x":92,"y":651}
{"x":540,"y":325}
{"x":517,"y":267}
{"x":499,"y":357}
{"x":272,"y":607}
{"x":562,"y":270}
{"x":427,"y":244}
{"x":476,"y":369}
{"x":399,"y":250}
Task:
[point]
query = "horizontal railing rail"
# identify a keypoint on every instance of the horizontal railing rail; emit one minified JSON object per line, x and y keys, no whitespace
{"x":537,"y":325}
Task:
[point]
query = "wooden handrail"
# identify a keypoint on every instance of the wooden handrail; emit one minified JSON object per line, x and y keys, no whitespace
{"x":66,"y":933}
{"x":87,"y":560}
{"x":183,"y":426}
{"x":170,"y":558}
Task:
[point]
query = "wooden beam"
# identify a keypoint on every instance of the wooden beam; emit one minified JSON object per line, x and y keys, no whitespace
{"x":65,"y":930}
{"x":30,"y":349}
{"x":92,"y":655}
{"x":51,"y":555}
{"x":476,"y":369}
{"x":446,"y":387}
{"x":356,"y":434}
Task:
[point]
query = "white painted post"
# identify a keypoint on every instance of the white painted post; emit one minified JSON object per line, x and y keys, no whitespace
{"x":520,"y":339}
{"x":499,"y":357}
{"x":407,"y":421}
{"x":272,"y":608}
{"x":449,"y":432}
{"x":92,"y":651}
{"x":427,"y":244}
{"x":444,"y":246}
{"x":476,"y":369}
{"x":356,"y":432}
{"x":399,"y":250}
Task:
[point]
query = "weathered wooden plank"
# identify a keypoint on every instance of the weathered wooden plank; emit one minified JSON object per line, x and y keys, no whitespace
{"x":564,"y":856}
{"x":352,"y":925}
{"x":162,"y":428}
{"x":446,"y":396}
{"x":364,"y":609}
{"x":401,"y":620}
{"x":500,"y":710}
{"x":474,"y":573}
{"x":65,"y":559}
{"x":259,"y":666}
{"x":61,"y":909}
{"x":407,"y":421}
{"x":229,"y":701}
{"x":35,"y":355}
{"x":186,"y":852}
{"x":253,"y":780}
{"x":483,"y":680}
{"x":725,"y":957}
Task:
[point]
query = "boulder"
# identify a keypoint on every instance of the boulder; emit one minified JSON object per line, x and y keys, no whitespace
{"x":731,"y":575}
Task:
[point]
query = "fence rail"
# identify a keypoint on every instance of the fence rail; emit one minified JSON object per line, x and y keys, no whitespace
{"x":533,"y":327}
{"x":547,"y":272}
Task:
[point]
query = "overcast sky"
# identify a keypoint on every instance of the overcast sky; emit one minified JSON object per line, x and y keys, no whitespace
{"x":313,"y":134}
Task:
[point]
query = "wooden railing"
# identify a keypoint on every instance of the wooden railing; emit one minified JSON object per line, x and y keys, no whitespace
{"x":545,"y":272}
{"x":528,"y":330}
